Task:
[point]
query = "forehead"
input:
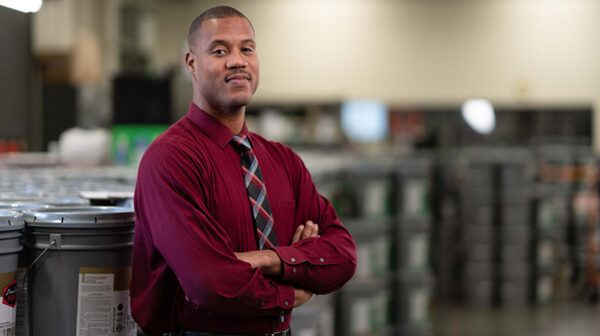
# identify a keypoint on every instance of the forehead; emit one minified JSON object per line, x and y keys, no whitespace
{"x":231,"y":29}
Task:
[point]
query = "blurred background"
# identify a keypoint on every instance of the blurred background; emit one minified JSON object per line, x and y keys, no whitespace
{"x":457,"y":139}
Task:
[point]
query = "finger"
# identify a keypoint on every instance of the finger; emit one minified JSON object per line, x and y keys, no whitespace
{"x":298,"y":234}
{"x":311,"y":230}
{"x":316,"y":230}
{"x":307,"y":230}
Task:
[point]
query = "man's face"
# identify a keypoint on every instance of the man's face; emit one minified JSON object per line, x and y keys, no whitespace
{"x":224,"y":64}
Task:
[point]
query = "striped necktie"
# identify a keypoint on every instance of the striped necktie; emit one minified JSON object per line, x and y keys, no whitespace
{"x":257,"y":193}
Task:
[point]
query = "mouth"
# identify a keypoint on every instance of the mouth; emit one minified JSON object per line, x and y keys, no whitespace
{"x":237,"y":78}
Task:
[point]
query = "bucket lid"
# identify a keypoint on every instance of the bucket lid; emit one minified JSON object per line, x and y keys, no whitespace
{"x":50,"y":201}
{"x":80,"y":217}
{"x":65,"y":201}
{"x":22,"y":206}
{"x":11,"y":220}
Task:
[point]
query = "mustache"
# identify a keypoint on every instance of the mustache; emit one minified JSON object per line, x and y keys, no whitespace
{"x":238,"y":72}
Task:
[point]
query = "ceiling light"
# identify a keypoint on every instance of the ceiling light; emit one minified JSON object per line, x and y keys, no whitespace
{"x":479,"y":115}
{"x":26,"y":6}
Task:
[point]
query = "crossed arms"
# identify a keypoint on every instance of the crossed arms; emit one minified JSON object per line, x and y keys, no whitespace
{"x":270,"y":264}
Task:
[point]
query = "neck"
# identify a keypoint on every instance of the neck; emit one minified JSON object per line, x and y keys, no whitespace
{"x":232,"y":118}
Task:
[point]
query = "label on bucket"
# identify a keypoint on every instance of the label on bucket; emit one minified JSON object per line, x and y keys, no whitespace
{"x":8,"y":310}
{"x":103,"y":302}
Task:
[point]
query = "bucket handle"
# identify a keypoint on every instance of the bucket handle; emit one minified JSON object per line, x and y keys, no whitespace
{"x":26,"y":284}
{"x":53,"y":242}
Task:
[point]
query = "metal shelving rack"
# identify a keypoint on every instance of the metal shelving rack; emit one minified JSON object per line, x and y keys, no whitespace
{"x":386,"y":206}
{"x":479,"y":237}
{"x":548,"y":250}
{"x":364,"y":305}
{"x":446,"y":228}
{"x":582,"y":224}
{"x":496,"y":217}
{"x":516,"y":182}
{"x":414,"y":281}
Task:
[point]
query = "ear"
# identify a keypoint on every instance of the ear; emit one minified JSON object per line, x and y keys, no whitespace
{"x":190,"y":62}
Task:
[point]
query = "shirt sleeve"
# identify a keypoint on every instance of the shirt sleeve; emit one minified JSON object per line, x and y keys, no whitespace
{"x":320,"y":264}
{"x":171,"y":210}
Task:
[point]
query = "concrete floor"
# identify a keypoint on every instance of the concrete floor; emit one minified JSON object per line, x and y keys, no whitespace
{"x":557,"y":319}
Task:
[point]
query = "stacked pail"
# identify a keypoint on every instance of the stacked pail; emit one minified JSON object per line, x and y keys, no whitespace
{"x":79,"y":271}
{"x":11,"y":226}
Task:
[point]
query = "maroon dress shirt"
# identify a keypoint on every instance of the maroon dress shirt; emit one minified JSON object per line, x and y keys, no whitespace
{"x":192,"y":214}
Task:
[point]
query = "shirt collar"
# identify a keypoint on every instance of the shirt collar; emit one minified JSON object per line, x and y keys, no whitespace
{"x":210,"y":126}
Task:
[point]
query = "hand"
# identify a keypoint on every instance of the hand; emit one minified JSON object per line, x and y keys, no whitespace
{"x":309,"y":230}
{"x":267,"y":260}
{"x":301,"y":296}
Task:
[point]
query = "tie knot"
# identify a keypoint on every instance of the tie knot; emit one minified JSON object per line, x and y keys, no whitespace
{"x":241,"y":143}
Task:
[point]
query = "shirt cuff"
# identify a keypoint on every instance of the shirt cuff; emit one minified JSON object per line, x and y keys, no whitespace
{"x":291,"y":259}
{"x":288,"y":299}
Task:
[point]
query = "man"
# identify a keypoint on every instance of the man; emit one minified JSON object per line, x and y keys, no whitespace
{"x":227,"y":240}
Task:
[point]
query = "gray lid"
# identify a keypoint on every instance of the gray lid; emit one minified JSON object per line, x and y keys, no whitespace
{"x":65,"y":201}
{"x":17,"y":198}
{"x":51,"y":201}
{"x":11,"y":220}
{"x":22,"y":206}
{"x":80,"y":217}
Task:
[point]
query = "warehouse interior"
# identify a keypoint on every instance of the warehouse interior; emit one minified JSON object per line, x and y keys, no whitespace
{"x":458,"y":141}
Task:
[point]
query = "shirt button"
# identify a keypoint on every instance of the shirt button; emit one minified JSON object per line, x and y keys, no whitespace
{"x":262,"y":303}
{"x":187,"y":299}
{"x":294,"y":269}
{"x":285,"y":303}
{"x":293,"y":260}
{"x":321,"y":259}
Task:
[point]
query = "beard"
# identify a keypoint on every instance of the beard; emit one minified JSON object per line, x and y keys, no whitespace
{"x":228,"y":106}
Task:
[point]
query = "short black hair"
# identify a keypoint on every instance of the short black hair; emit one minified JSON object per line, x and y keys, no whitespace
{"x":219,"y":12}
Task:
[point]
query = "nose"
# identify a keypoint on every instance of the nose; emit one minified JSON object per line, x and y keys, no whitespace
{"x":236,"y":60}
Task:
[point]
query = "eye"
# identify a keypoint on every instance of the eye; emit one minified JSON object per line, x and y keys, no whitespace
{"x":219,"y":52}
{"x":248,"y":50}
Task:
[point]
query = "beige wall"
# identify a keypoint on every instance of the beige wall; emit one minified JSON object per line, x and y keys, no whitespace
{"x":415,"y":51}
{"x":430,"y":50}
{"x":410,"y":51}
